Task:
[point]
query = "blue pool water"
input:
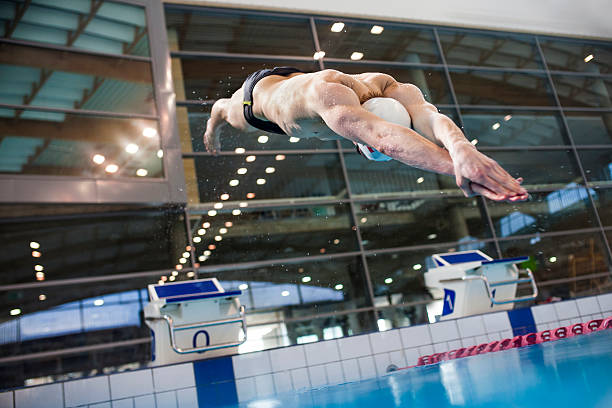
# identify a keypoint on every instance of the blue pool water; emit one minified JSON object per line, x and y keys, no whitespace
{"x":575,"y":372}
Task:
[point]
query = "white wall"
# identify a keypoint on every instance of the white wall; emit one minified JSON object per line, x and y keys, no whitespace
{"x":576,"y":18}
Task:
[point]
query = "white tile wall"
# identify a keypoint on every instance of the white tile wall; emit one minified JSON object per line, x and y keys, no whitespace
{"x":318,"y":377}
{"x":145,"y":401}
{"x":426,"y":350}
{"x":287,"y":358}
{"x":282,"y":382}
{"x":587,"y":306}
{"x":415,"y":336}
{"x":48,"y":396}
{"x":250,"y":364}
{"x":100,"y":405}
{"x":444,"y":331}
{"x":245,"y":388}
{"x":367,"y":369}
{"x":605,"y":304}
{"x":322,"y":352}
{"x":566,"y":309}
{"x":187,"y":398}
{"x":334,"y":373}
{"x":412,"y":356}
{"x":299,"y":378}
{"x":87,"y":391}
{"x":131,"y":384}
{"x":454,"y":345}
{"x":496,"y":322}
{"x":386,"y":341}
{"x":6,"y":399}
{"x":166,"y":399}
{"x":351,"y":370}
{"x":471,"y":326}
{"x":264,"y":385}
{"x":173,"y":377}
{"x":123,"y":403}
{"x":440,"y":347}
{"x":353,"y":347}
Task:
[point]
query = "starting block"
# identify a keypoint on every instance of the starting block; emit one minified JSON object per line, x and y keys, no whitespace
{"x":194,"y":319}
{"x":471,"y":282}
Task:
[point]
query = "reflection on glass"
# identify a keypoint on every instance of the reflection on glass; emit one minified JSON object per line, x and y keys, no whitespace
{"x":603,"y":202}
{"x":237,"y":32}
{"x":513,"y":128}
{"x":103,"y":26}
{"x":206,"y":79}
{"x":491,"y":50}
{"x":572,"y":55}
{"x":414,"y":222}
{"x":370,"y":180}
{"x":192,"y":124}
{"x":495,"y":88}
{"x":564,"y":209}
{"x":569,"y":256}
{"x":597,"y":165}
{"x":578,"y":288}
{"x":394,"y":43}
{"x":52,"y":143}
{"x":272,"y":233}
{"x":100,"y":243}
{"x":71,"y":80}
{"x":294,"y":176}
{"x":590,"y":127}
{"x":430,"y":81}
{"x":402,"y":316}
{"x":583,"y":91}
{"x":551,"y":169}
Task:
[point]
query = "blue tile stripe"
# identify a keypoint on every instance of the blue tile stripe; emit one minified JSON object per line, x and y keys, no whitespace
{"x":522,"y":321}
{"x":215,"y":382}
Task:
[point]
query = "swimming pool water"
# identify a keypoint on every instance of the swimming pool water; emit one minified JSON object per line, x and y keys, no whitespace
{"x":575,"y":372}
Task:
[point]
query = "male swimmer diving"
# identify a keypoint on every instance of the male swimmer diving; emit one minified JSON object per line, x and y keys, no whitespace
{"x":328,"y":104}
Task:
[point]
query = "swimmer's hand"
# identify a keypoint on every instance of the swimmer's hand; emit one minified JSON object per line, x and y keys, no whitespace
{"x":476,"y":173}
{"x":212,"y":142}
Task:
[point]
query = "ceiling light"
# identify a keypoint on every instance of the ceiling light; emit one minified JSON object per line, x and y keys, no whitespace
{"x":36,"y":254}
{"x":318,"y":55}
{"x":336,"y":241}
{"x":306,"y":279}
{"x":251,"y":158}
{"x":201,"y":258}
{"x":417,"y":267}
{"x":149,"y":132}
{"x":15,"y":312}
{"x":160,"y":153}
{"x":364,"y":220}
{"x":141,"y":172}
{"x":337,"y":27}
{"x":178,"y":267}
{"x":223,"y":230}
{"x":224,"y":196}
{"x":197,"y":240}
{"x":40,"y":276}
{"x":190,"y":274}
{"x":228,"y":224}
{"x":507,"y":117}
{"x":174,"y":273}
{"x":111,"y":168}
{"x":236,"y":212}
{"x":239,"y":150}
{"x":243,"y":286}
{"x":356,"y":56}
{"x":388,"y":281}
{"x":376,"y":29}
{"x":42,"y":297}
{"x":131,"y":148}
{"x":339,"y":286}
{"x":34,"y":245}
{"x":250,"y":195}
{"x":98,"y":302}
{"x":294,"y":139}
{"x":322,"y":250}
{"x":234,"y":183}
{"x":38,"y":268}
{"x":206,"y":225}
{"x":160,"y":282}
{"x":243,"y":204}
{"x":270,"y":170}
{"x":98,"y":159}
{"x":552,"y":259}
{"x":285,"y":293}
{"x":207,"y":253}
{"x":172,"y":278}
{"x":201,"y":231}
{"x":164,"y":278}
{"x":212,"y":213}
{"x":588,"y":58}
{"x":420,"y":180}
{"x":279,"y":157}
{"x":432,"y":236}
{"x":188,"y":248}
{"x":262,"y":139}
{"x":261,"y":181}
{"x":241,"y":170}
{"x":474,"y":142}
{"x":183,"y":260}
{"x":495,"y":126}
{"x":218,"y":206}
{"x":218,"y":238}
{"x":185,"y":254}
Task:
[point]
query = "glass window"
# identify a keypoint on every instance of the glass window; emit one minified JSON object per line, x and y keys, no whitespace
{"x":590,"y":127}
{"x":597,"y":165}
{"x":510,"y":88}
{"x":430,"y":81}
{"x":489,"y":49}
{"x":97,"y":242}
{"x":103,"y":26}
{"x":550,"y":169}
{"x":378,"y":42}
{"x":54,"y":143}
{"x":415,"y":222}
{"x":571,"y":55}
{"x":513,"y":128}
{"x":206,"y":79}
{"x":603,"y":201}
{"x":255,"y":234}
{"x":372,"y":180}
{"x":261,"y":177}
{"x":564,"y":209}
{"x":192,"y":124}
{"x":71,"y":80}
{"x":237,"y":32}
{"x":575,"y":289}
{"x":559,"y":257}
{"x":581,"y":91}
{"x":403,"y":316}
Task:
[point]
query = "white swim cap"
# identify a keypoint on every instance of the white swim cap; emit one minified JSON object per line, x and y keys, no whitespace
{"x":388,"y":109}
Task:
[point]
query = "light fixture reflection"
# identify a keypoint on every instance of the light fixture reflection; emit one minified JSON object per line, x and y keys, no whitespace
{"x":234,"y":183}
{"x":111,"y":168}
{"x":160,"y":153}
{"x":337,"y":27}
{"x":495,"y":126}
{"x":261,"y":181}
{"x":36,"y":254}
{"x":306,"y":279}
{"x":420,"y":180}
{"x":142,"y":172}
{"x":206,"y":225}
{"x":588,"y":58}
{"x":15,"y":312}
{"x":38,"y":268}
{"x":224,"y":196}
{"x":388,"y":281}
{"x":149,"y":132}
{"x":270,"y":170}
{"x":131,"y":148}
{"x":239,"y":150}
{"x":212,"y":213}
{"x":218,"y":206}
{"x":236,"y":212}
{"x":356,"y":56}
{"x":279,"y":157}
{"x":243,"y":204}
{"x":222,"y":230}
{"x":42,"y":297}
{"x":376,"y":29}
{"x":197,"y":240}
{"x":34,"y":245}
{"x":98,"y":302}
{"x":40,"y":276}
{"x":318,"y":55}
{"x":229,"y":224}
{"x":507,"y":117}
{"x":339,"y":286}
{"x":251,"y":158}
{"x":285,"y":293}
{"x":98,"y":159}
{"x":243,"y":286}
{"x":262,"y":139}
{"x":294,"y":139}
{"x":552,"y":259}
{"x":417,"y":267}
{"x":207,"y":253}
{"x":250,"y":195}
{"x":201,"y":231}
{"x":241,"y":170}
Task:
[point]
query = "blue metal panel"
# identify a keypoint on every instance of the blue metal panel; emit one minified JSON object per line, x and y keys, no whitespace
{"x":515,"y":260}
{"x":187,"y":288}
{"x":461,"y":258}
{"x":203,"y":296}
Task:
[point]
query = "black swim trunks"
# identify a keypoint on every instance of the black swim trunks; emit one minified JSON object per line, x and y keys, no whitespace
{"x":249,"y":85}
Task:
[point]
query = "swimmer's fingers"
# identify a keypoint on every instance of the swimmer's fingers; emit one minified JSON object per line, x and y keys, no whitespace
{"x":485,"y":192}
{"x":464,"y":184}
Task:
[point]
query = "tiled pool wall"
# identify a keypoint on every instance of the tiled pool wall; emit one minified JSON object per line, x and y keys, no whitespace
{"x":232,"y":379}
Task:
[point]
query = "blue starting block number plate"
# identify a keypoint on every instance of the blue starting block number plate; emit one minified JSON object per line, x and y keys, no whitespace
{"x":191,"y":290}
{"x":460,"y":257}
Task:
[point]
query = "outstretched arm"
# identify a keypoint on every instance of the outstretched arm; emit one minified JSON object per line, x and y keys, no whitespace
{"x":218,"y":118}
{"x":469,"y":164}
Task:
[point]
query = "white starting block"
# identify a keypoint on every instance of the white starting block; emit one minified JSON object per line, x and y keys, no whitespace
{"x":194,"y":319}
{"x":470,"y":282}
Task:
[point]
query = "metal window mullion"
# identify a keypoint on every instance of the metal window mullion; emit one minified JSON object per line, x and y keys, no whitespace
{"x":190,"y":238}
{"x":315,"y":41}
{"x":81,"y":112}
{"x":574,"y":150}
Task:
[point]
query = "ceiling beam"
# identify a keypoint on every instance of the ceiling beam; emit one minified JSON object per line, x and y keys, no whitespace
{"x":83,"y":22}
{"x":19,"y":12}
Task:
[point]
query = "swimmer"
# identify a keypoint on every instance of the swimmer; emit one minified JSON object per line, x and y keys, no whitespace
{"x":329,"y":105}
